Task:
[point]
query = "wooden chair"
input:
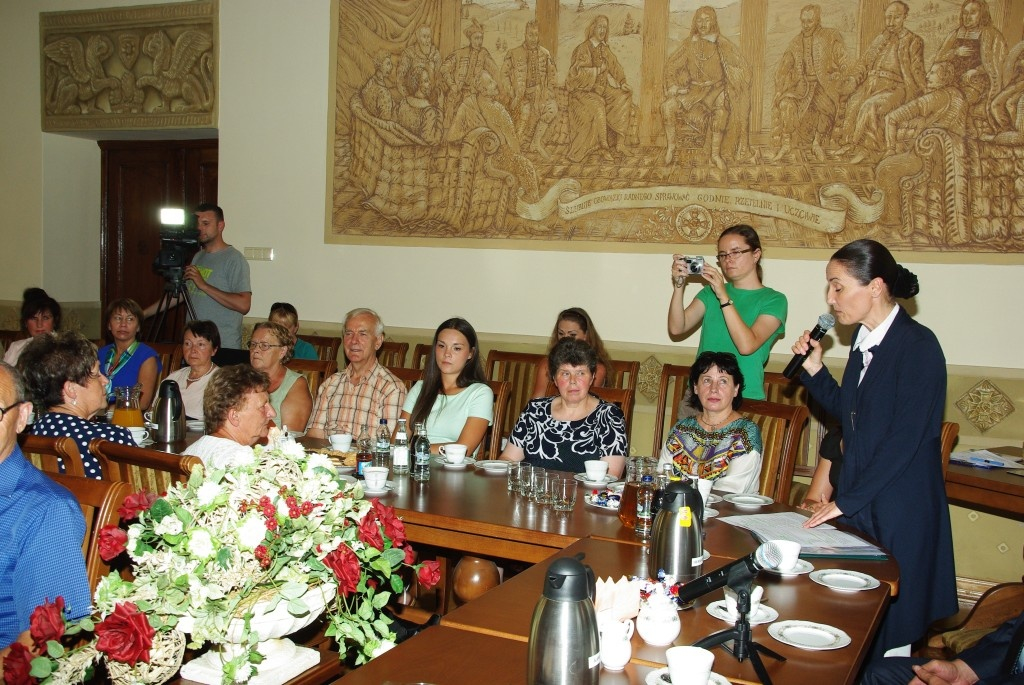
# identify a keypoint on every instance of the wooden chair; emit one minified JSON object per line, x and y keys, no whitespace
{"x":392,"y":353}
{"x":781,"y":425}
{"x":171,"y":358}
{"x":624,"y":375}
{"x":316,"y":371}
{"x":949,"y":432}
{"x":620,"y":397}
{"x":407,"y":376}
{"x":419,"y":355}
{"x":8,"y":336}
{"x":99,"y":500}
{"x":520,"y":370}
{"x":496,"y":431}
{"x":326,"y":346}
{"x":997,"y":605}
{"x":143,"y":468}
{"x":778,"y":388}
{"x":48,"y":454}
{"x":674,"y":381}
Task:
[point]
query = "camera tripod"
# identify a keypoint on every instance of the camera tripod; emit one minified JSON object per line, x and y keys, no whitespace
{"x":174,"y":289}
{"x":742,"y":644}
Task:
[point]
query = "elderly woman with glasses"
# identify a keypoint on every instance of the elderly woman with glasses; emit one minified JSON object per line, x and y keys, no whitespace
{"x":739,"y":314}
{"x":63,"y":377}
{"x":126,"y":361}
{"x":270,"y":348}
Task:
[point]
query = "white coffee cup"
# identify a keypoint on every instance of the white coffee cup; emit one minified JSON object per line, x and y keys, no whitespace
{"x":689,"y":665}
{"x":596,"y":469}
{"x":139,"y":434}
{"x":341,"y":441}
{"x":730,"y":601}
{"x":790,"y":554}
{"x":376,"y":477}
{"x":704,"y":488}
{"x":454,"y":452}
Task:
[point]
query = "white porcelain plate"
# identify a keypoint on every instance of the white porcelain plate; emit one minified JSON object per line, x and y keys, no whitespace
{"x":764,"y":613}
{"x":388,"y":487}
{"x":748,"y":499}
{"x":491,"y":466}
{"x":802,"y":566}
{"x":198,"y":425}
{"x":660,"y":677}
{"x":844,"y":581}
{"x":441,"y":461}
{"x":710,"y":513}
{"x":808,"y":635}
{"x":713,"y":498}
{"x":348,"y":479}
{"x":582,"y":477}
{"x":591,"y":500}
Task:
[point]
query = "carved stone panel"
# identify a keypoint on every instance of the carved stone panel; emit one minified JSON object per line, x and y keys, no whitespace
{"x":146,"y":67}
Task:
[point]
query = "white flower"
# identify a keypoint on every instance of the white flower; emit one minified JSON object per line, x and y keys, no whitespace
{"x":252,"y":532}
{"x":207,"y":493}
{"x":316,"y":459}
{"x":385,"y":646}
{"x":200,"y":544}
{"x":198,"y":593}
{"x":292,"y":449}
{"x":169,"y":525}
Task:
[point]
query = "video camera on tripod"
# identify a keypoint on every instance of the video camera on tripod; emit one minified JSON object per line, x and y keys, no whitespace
{"x":177,"y":243}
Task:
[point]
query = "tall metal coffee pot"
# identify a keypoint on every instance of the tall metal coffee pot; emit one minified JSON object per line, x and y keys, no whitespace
{"x":169,"y":413}
{"x":677,"y":540}
{"x":565,"y":646}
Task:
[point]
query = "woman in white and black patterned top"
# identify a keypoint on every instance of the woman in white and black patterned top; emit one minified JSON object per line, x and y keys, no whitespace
{"x":62,"y":374}
{"x":564,"y":431}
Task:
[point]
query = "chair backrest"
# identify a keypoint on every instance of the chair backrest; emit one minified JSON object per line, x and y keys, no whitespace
{"x":520,"y":370}
{"x":49,"y":453}
{"x":674,"y":381}
{"x":407,"y":376}
{"x":778,"y":388}
{"x":623,"y":374}
{"x":496,"y":431}
{"x":392,"y":353}
{"x":8,"y":336}
{"x":949,"y":432}
{"x":326,"y":346}
{"x":99,"y":500}
{"x":315,"y":371}
{"x":171,"y":357}
{"x":419,"y":355}
{"x":781,"y":425}
{"x":145,"y":469}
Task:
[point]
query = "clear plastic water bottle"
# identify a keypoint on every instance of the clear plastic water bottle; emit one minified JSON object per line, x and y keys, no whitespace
{"x":644,"y":504}
{"x":421,"y":453}
{"x":400,"y":458}
{"x":364,"y":451}
{"x":382,"y":447}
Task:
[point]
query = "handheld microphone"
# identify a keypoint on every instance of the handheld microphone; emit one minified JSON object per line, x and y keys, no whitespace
{"x":825,"y":322}
{"x":767,"y":555}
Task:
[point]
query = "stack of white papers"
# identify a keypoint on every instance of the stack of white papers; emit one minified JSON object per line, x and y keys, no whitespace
{"x":985,"y":459}
{"x":821,"y":541}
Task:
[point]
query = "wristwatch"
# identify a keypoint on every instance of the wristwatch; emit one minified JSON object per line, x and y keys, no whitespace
{"x":727,"y":303}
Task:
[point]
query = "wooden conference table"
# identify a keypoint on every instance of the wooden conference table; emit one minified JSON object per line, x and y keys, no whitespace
{"x":991,"y":490}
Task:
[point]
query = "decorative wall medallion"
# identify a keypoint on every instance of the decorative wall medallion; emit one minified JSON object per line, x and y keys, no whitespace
{"x":985,"y":405}
{"x":649,"y":381}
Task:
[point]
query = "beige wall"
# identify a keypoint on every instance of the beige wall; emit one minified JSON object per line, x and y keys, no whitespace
{"x":275,"y":79}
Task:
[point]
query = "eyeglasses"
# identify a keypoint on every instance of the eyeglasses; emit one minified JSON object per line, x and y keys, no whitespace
{"x":261,"y":346}
{"x":733,"y":254}
{"x":128,"y":318}
{"x":4,"y":410}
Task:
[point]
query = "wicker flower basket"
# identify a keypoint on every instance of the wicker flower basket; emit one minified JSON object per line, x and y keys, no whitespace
{"x":164,"y":661}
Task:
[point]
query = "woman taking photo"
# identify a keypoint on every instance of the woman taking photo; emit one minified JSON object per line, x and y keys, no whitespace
{"x":890,"y":485}
{"x":739,"y":314}
{"x":200,"y":342}
{"x":63,"y":377}
{"x":574,"y":323}
{"x":453,"y":398}
{"x":564,"y":431}
{"x":126,"y":361}
{"x":40,"y":314}
{"x":717,"y":444}
{"x":270,"y":348}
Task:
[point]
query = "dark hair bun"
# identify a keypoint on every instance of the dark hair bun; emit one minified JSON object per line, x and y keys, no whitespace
{"x":905,"y":284}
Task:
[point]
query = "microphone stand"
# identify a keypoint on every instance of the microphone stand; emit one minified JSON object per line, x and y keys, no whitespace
{"x":743,"y":645}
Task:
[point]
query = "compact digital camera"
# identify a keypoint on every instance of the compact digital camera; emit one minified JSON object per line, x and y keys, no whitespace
{"x":694,"y":265}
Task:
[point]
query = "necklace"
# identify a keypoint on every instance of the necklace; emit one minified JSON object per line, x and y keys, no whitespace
{"x":710,"y":425}
{"x":199,"y":377}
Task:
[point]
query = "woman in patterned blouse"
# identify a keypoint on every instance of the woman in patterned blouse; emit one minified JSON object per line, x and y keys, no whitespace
{"x":717,"y":443}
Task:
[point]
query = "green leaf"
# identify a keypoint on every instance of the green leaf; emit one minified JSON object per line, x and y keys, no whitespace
{"x":293,"y":590}
{"x":161,"y":509}
{"x":54,"y":649}
{"x":224,"y":558}
{"x":41,"y":667}
{"x":183,"y":515}
{"x":396,"y":584}
{"x":296,"y":607}
{"x":393,"y":556}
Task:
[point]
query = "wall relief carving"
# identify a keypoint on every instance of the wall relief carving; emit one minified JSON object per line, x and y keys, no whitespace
{"x":654,"y":122}
{"x":132,"y":68}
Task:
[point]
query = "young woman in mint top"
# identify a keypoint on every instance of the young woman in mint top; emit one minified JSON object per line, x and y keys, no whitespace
{"x":735,"y":311}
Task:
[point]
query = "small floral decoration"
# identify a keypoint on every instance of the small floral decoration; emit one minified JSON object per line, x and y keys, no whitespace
{"x":664,"y":586}
{"x":205,"y":552}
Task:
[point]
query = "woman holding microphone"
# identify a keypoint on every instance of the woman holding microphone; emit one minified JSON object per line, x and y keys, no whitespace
{"x":890,"y":403}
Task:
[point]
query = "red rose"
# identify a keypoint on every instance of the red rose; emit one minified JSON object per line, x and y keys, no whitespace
{"x":369,"y":533}
{"x":17,"y":665}
{"x":428,"y":574}
{"x":47,"y":623}
{"x":135,"y":503}
{"x":410,"y":555}
{"x":394,"y":529}
{"x":113,"y":541}
{"x":125,"y":635}
{"x":345,"y":564}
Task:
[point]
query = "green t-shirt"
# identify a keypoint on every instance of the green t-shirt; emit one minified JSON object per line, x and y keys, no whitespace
{"x":714,"y":334}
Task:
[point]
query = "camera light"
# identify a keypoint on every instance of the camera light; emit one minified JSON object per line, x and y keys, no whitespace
{"x":172,"y":216}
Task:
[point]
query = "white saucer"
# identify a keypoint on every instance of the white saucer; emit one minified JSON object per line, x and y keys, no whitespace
{"x":802,"y":566}
{"x":582,"y":477}
{"x":807,"y":635}
{"x":660,"y":677}
{"x":748,"y":499}
{"x":713,"y":498}
{"x":145,"y":442}
{"x":764,"y":613}
{"x":444,"y":463}
{"x":844,"y":581}
{"x":388,"y":487}
{"x":710,"y":513}
{"x":492,"y":466}
{"x":197,"y":425}
{"x":347,"y":478}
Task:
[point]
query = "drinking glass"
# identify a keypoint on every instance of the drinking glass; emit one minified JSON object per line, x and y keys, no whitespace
{"x":513,"y":476}
{"x":541,"y":487}
{"x":525,"y":479}
{"x":563,"y":493}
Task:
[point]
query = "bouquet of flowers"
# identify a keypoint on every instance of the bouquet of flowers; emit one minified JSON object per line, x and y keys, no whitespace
{"x":204,"y":553}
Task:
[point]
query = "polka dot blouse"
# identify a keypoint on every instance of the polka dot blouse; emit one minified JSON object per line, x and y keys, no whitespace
{"x":58,"y":425}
